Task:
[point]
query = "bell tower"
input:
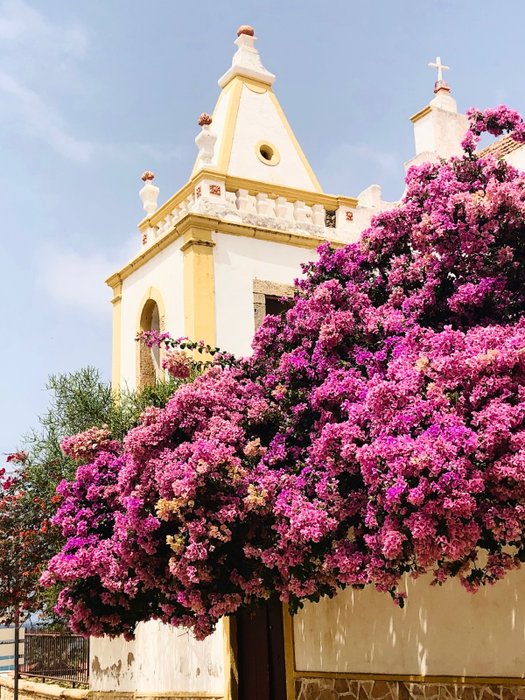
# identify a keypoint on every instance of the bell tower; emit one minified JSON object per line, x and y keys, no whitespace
{"x":219,"y":253}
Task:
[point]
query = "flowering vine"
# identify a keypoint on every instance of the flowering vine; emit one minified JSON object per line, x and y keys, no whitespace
{"x":492,"y":121}
{"x":378,"y":429}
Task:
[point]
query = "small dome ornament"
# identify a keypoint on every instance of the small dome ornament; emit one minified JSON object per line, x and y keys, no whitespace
{"x":149,"y":194}
{"x":205,"y":119}
{"x":205,"y":140}
{"x":246,"y":29}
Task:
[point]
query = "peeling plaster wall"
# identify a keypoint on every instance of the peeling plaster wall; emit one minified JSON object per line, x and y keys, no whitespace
{"x":112,"y":664}
{"x":161,"y":659}
{"x":170,"y":658}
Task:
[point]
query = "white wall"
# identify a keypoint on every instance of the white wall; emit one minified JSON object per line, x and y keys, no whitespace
{"x":238,"y":261}
{"x":517,"y":158}
{"x":259,"y":120}
{"x":161,"y":659}
{"x":441,"y":631}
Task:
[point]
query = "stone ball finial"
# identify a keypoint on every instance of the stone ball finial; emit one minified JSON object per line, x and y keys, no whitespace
{"x":246,"y":29}
{"x":205,"y":119}
{"x":147,"y":175}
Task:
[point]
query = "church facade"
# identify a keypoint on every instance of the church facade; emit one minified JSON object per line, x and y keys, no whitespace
{"x":212,"y":261}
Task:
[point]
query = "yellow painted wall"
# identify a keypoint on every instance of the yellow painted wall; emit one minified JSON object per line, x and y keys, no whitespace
{"x":442,"y":631}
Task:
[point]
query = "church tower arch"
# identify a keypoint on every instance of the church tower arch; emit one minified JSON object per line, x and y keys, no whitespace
{"x":151,"y":318}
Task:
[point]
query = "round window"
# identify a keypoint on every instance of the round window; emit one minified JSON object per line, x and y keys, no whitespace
{"x":267,"y":153}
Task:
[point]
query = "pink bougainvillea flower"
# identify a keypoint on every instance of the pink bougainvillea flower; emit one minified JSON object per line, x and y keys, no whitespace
{"x":378,"y":429}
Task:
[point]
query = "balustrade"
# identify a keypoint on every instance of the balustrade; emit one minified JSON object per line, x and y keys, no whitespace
{"x":332,"y":218}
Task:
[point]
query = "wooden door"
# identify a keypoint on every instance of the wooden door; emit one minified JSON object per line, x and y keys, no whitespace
{"x":260,"y":653}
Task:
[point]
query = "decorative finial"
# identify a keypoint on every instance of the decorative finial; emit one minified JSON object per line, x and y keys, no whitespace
{"x":246,"y":29}
{"x":149,"y":194}
{"x":205,"y":140}
{"x":440,"y":84}
{"x":205,"y":119}
{"x":246,"y":62}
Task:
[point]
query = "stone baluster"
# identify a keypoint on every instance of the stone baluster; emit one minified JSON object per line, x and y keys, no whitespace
{"x":300,"y":211}
{"x":169,"y":222}
{"x":246,"y":202}
{"x":176,"y":215}
{"x":318,"y":214}
{"x":243,"y":201}
{"x":161,"y":227}
{"x":231,"y":198}
{"x":264,"y":204}
{"x":185,"y":206}
{"x":283,"y":208}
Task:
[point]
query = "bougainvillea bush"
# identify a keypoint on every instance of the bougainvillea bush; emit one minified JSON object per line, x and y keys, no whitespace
{"x":378,"y":429}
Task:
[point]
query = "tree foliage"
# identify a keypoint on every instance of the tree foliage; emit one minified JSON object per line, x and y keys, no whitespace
{"x":79,"y":401}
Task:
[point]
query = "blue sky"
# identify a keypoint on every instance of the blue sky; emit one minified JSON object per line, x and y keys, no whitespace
{"x":93,"y":92}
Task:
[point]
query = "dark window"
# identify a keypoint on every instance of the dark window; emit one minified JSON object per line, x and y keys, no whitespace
{"x":276,"y":305}
{"x":329,"y":219}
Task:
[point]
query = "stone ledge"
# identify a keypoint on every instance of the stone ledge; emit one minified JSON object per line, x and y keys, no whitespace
{"x":31,"y":690}
{"x":173,"y":695}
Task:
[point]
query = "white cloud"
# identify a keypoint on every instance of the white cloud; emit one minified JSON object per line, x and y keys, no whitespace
{"x":77,"y":280}
{"x":74,"y":280}
{"x":23,"y":25}
{"x":39,"y":60}
{"x":35,"y":117}
{"x":34,"y":50}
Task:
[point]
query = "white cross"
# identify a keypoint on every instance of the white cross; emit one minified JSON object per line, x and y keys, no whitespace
{"x":440,"y":68}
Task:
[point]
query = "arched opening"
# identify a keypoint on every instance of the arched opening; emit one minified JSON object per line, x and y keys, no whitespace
{"x":149,"y":358}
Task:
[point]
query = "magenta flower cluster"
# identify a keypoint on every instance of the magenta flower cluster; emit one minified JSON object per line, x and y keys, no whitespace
{"x":493,"y":121}
{"x":377,"y":430}
{"x":177,"y":364}
{"x":85,"y":446}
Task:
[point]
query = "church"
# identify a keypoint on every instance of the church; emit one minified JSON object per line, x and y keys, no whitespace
{"x":211,"y":261}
